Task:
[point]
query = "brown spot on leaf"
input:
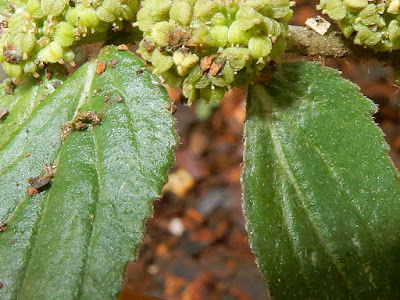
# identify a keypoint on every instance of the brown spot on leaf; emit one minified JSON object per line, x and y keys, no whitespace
{"x":140,"y":71}
{"x":1,"y":285}
{"x":80,"y":125}
{"x":66,"y":130}
{"x":122,"y":47}
{"x":81,"y":122}
{"x":3,"y":113}
{"x":113,"y":62}
{"x":32,"y":191}
{"x":3,"y":227}
{"x":90,"y":117}
{"x":101,"y":67}
{"x":177,"y":38}
{"x":118,"y":99}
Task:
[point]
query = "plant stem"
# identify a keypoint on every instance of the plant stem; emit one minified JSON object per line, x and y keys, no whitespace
{"x":305,"y":41}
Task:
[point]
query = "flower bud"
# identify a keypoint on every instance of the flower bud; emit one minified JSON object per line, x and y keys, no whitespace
{"x":260,"y":46}
{"x":181,"y":13}
{"x":53,"y":7}
{"x":64,"y":34}
{"x":52,"y":53}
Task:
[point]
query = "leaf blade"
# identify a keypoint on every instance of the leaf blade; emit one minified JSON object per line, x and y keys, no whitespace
{"x":101,"y":196}
{"x":306,"y":180}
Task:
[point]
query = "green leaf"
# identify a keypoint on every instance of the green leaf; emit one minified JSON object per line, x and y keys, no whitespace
{"x":22,"y":102}
{"x":321,"y":196}
{"x":73,"y":240}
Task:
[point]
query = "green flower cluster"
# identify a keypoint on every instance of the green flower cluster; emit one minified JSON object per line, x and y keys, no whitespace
{"x":37,"y":32}
{"x":375,"y":24}
{"x":207,"y":46}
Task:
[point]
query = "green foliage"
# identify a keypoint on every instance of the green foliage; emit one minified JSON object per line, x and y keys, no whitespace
{"x":321,"y":196}
{"x":208,"y":46}
{"x":83,"y":159}
{"x":74,"y":239}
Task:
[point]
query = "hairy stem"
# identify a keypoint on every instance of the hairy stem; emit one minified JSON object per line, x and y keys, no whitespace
{"x":305,"y":41}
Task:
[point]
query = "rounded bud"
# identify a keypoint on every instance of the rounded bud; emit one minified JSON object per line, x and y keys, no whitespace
{"x":181,"y":13}
{"x":24,"y":42}
{"x":52,"y":53}
{"x":64,"y":34}
{"x":53,"y":7}
{"x":30,"y":67}
{"x":13,"y":70}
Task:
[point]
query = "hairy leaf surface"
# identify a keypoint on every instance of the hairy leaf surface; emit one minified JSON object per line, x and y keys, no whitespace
{"x":74,"y":239}
{"x":22,"y":102}
{"x":321,"y":196}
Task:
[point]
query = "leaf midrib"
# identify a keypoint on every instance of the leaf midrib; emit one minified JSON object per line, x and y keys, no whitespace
{"x":284,"y":164}
{"x":85,"y":93}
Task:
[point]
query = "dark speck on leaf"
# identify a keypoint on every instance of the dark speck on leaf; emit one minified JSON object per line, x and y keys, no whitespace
{"x":80,"y":125}
{"x":113,"y":62}
{"x":140,"y":71}
{"x":3,"y":227}
{"x":56,"y":84}
{"x":118,"y":99}
{"x":3,"y":113}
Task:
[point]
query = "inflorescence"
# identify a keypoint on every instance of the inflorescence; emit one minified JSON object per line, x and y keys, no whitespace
{"x":374,"y":24}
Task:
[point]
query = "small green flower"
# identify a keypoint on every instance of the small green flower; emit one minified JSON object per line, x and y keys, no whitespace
{"x":212,"y":45}
{"x":373,"y":24}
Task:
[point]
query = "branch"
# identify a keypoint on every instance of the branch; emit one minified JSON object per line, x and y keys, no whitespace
{"x":305,"y":41}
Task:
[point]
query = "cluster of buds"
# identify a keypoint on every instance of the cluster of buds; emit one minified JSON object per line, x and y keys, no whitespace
{"x":371,"y":23}
{"x":207,"y":46}
{"x":38,"y":32}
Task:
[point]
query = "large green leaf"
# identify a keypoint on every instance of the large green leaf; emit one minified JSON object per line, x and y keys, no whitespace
{"x":74,"y":239}
{"x":321,"y":196}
